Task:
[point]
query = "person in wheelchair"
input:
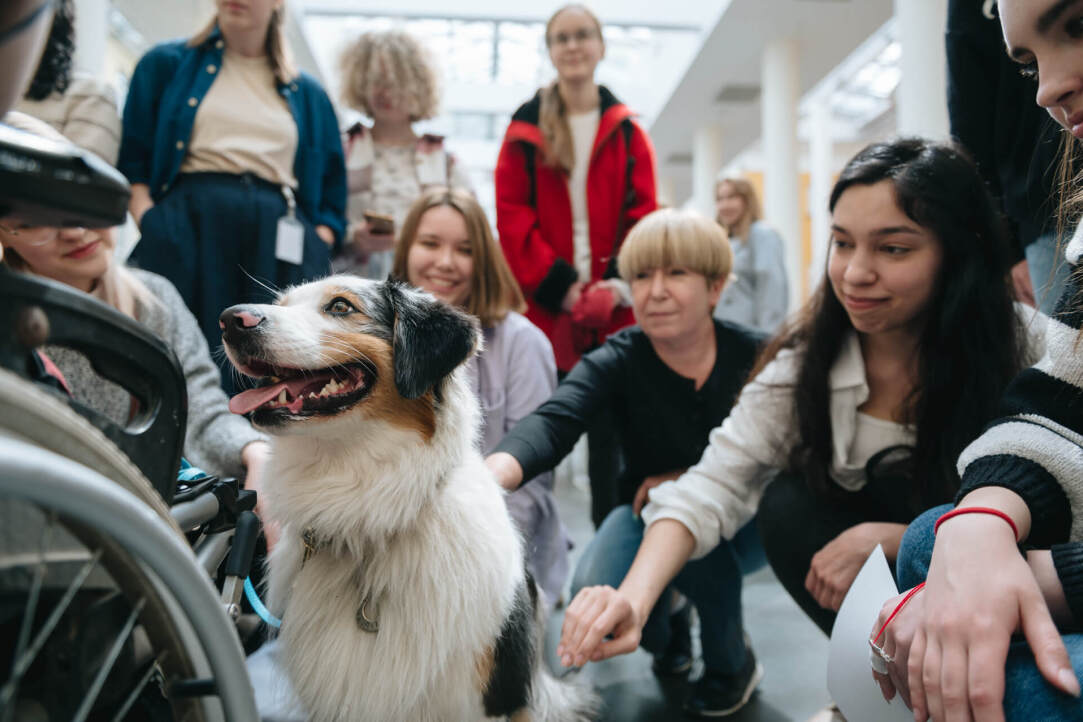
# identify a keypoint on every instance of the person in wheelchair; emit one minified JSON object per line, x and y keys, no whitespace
{"x":216,"y":440}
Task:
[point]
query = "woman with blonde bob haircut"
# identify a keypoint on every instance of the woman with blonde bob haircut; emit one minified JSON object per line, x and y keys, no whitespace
{"x":669,"y":238}
{"x":447,"y":248}
{"x":667,"y":382}
{"x":391,"y":78}
{"x":759,"y":294}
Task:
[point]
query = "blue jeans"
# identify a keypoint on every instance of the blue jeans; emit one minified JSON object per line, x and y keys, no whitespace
{"x":712,"y":584}
{"x":1027,"y":696}
{"x":1048,"y":270}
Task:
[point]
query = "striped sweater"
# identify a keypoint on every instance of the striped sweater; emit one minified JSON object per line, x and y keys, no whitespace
{"x":1036,"y":447}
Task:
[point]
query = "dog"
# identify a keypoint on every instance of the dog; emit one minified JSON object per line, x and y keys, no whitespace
{"x":398,"y":574}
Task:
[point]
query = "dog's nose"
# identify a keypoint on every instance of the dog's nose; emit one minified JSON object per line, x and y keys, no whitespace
{"x":241,"y":318}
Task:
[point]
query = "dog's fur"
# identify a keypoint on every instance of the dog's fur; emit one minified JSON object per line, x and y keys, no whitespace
{"x":404,"y":512}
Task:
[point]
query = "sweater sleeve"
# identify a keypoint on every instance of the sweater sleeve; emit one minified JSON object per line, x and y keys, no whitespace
{"x":215,"y":436}
{"x":140,"y":119}
{"x":332,"y":202}
{"x":772,"y":284}
{"x":720,"y":494}
{"x":546,"y":436}
{"x":532,"y":377}
{"x":543,"y":275}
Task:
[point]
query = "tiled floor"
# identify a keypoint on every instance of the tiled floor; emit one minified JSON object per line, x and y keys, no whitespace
{"x":791,"y":649}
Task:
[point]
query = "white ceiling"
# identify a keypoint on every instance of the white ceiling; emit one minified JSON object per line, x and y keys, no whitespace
{"x":827,"y":31}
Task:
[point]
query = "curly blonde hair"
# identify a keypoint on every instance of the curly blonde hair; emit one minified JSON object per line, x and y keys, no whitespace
{"x":397,"y":59}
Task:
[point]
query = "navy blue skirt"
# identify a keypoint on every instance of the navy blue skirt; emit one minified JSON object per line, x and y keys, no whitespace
{"x":213,"y":237}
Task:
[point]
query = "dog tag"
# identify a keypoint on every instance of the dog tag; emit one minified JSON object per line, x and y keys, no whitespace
{"x":290,"y":240}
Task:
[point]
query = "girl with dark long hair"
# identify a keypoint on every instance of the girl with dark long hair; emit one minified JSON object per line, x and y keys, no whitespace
{"x":863,"y":405}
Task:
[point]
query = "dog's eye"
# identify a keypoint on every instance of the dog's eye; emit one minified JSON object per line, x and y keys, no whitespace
{"x":339,"y":307}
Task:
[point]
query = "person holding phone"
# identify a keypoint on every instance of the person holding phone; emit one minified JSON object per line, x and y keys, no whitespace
{"x":390,"y":78}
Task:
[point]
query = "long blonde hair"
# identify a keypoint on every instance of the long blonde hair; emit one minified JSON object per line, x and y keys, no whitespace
{"x":753,"y":212}
{"x":493,"y":289}
{"x":559,"y":150}
{"x":278,"y":50}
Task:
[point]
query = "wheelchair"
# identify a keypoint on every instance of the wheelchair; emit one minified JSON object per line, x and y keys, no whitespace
{"x":110,"y":607}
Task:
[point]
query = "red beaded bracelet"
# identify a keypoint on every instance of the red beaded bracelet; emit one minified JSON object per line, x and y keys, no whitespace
{"x":898,"y":607}
{"x":977,"y":510}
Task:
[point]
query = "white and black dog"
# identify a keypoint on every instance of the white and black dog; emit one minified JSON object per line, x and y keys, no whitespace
{"x":398,"y":574}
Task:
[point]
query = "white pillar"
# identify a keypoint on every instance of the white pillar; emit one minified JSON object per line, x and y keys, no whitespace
{"x":779,"y":138}
{"x":706,"y":162}
{"x":91,"y":35}
{"x":922,"y":95}
{"x":819,"y":187}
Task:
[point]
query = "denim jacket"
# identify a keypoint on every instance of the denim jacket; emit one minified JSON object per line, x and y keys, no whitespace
{"x":166,"y":89}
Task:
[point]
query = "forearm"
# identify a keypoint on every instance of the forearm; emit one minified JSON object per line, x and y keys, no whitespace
{"x":1004,"y":500}
{"x":888,"y":536}
{"x":666,"y":547}
{"x":506,"y":468}
{"x":140,"y":202}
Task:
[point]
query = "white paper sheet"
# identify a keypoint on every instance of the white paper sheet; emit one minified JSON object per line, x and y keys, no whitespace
{"x":849,"y":676}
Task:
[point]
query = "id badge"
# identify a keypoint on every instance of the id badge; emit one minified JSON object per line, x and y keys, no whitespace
{"x":290,"y":240}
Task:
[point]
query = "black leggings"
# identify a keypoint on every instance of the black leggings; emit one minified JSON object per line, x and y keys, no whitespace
{"x":795,"y":523}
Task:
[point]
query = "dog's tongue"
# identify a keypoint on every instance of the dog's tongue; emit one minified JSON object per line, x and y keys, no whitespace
{"x":252,"y":399}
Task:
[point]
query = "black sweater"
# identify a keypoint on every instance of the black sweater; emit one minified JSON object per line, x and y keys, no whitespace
{"x":662,"y":421}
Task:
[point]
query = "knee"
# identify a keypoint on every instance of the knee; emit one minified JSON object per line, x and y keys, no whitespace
{"x":916,"y":548}
{"x":784,"y":500}
{"x":609,"y":555}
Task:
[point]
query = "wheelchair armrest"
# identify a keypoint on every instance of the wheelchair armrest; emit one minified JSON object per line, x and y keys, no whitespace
{"x":120,"y":350}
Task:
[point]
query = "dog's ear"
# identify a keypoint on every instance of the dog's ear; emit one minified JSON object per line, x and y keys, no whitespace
{"x":429,"y":341}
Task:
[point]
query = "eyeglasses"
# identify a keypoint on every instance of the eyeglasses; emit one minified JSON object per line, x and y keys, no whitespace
{"x":579,"y":36}
{"x":33,"y":235}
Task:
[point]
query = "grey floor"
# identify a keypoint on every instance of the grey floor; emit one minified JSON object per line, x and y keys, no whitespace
{"x":791,"y":649}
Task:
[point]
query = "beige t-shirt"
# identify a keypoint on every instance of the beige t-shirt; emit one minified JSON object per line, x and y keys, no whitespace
{"x":243,"y":124}
{"x":584,"y":127}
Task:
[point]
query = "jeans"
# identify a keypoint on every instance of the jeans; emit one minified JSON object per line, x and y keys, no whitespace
{"x":795,"y":523}
{"x":1027,"y":696}
{"x":712,"y":584}
{"x":1048,"y":270}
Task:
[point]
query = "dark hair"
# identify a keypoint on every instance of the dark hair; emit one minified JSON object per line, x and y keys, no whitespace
{"x":972,"y":343}
{"x":54,"y":68}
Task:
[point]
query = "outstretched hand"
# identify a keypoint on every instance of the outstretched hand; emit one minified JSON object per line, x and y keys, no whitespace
{"x":601,"y":622}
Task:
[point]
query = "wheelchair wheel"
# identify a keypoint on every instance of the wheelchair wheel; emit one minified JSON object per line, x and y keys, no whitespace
{"x":104,"y":612}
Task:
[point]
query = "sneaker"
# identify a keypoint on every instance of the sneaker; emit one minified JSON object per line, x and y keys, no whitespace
{"x":719,"y":695}
{"x":830,"y":713}
{"x":676,"y":660}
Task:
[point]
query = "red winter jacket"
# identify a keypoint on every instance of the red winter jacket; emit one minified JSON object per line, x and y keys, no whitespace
{"x":534,"y":219}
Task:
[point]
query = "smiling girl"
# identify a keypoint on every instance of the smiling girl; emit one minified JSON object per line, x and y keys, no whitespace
{"x":893,"y":367}
{"x":574,"y":174}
